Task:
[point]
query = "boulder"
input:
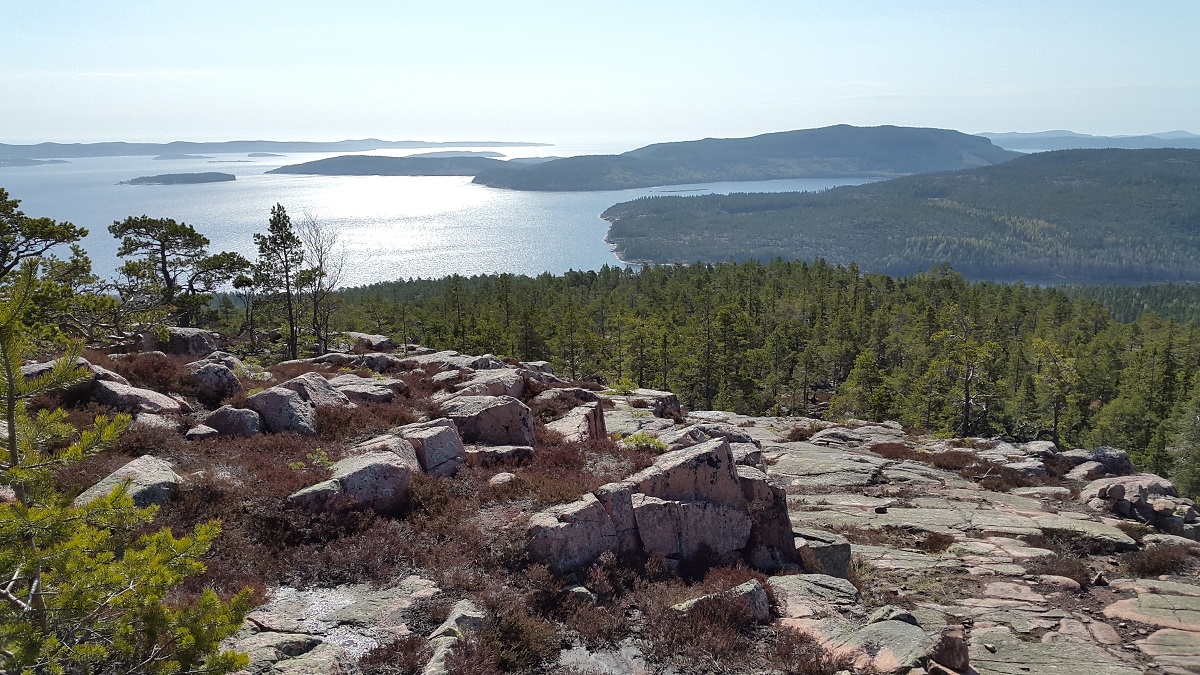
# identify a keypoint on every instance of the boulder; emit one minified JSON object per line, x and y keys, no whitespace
{"x":1086,"y":471}
{"x":215,"y":382}
{"x":152,"y":421}
{"x":495,"y":382}
{"x":1116,"y":461}
{"x":950,"y":649}
{"x":369,"y":342}
{"x":316,"y":391}
{"x":182,"y":341}
{"x":752,"y":593}
{"x":1142,"y":486}
{"x":570,"y":536}
{"x":704,"y":472}
{"x":230,"y":421}
{"x":284,"y":410}
{"x":582,"y":423}
{"x":801,"y":588}
{"x":490,"y":455}
{"x":684,"y":529}
{"x":617,"y":499}
{"x":379,"y":363}
{"x":201,"y":432}
{"x":224,"y":358}
{"x":772,"y":545}
{"x":376,"y":478}
{"x":662,"y":403}
{"x":32,"y":370}
{"x":570,"y":394}
{"x":437,"y":444}
{"x":684,"y":437}
{"x":830,"y":552}
{"x":368,"y":393}
{"x":542,"y":367}
{"x":498,"y":420}
{"x":452,"y":360}
{"x":151,"y":481}
{"x":132,"y":399}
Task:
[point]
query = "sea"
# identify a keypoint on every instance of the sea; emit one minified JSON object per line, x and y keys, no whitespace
{"x":392,"y":227}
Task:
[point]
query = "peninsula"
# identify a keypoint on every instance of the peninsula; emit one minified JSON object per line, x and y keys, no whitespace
{"x":180,"y":179}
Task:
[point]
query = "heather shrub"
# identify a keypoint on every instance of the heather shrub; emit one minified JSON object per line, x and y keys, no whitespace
{"x":1156,"y":560}
{"x":403,"y":656}
{"x":1061,"y":566}
{"x":160,"y":372}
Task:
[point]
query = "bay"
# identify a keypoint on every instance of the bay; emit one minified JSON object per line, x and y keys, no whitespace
{"x":392,"y":226}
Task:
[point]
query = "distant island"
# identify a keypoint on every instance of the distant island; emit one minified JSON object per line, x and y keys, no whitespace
{"x":118,"y":149}
{"x":264,"y":154}
{"x":1040,"y":141}
{"x":170,"y":156}
{"x":375,"y":165}
{"x":837,"y":151}
{"x":17,"y":161}
{"x":180,"y":179}
{"x":1065,"y":216}
{"x":460,"y":153}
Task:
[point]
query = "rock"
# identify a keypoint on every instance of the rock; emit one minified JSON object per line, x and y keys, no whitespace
{"x":491,"y":419}
{"x":1040,"y":449}
{"x":375,"y":343}
{"x":316,"y":391}
{"x":152,"y":421}
{"x":368,"y":393}
{"x":678,"y":439}
{"x":1051,"y":492}
{"x":726,"y":431}
{"x":132,"y":399}
{"x":831,"y":551}
{"x":201,"y":432}
{"x":617,"y":499}
{"x":772,"y":544}
{"x":1003,"y":653}
{"x":814,"y":587}
{"x":497,"y":382}
{"x":1177,"y":650}
{"x":662,"y":403}
{"x":1143,"y":486}
{"x":377,"y":478}
{"x":1027,"y":467}
{"x":1116,"y":461}
{"x":1181,"y":612}
{"x":500,"y":479}
{"x":32,"y":370}
{"x":889,"y":646}
{"x":582,"y":423}
{"x":437,"y":444}
{"x":230,"y":421}
{"x":224,"y":358}
{"x":950,"y":649}
{"x":1087,"y":471}
{"x":745,"y":454}
{"x":892,"y":613}
{"x":1064,"y":583}
{"x":215,"y":382}
{"x":565,"y":393}
{"x":284,"y":410}
{"x":151,"y":481}
{"x":751,"y":592}
{"x":465,"y":620}
{"x":484,"y":456}
{"x":182,"y":341}
{"x":704,"y":472}
{"x":682,"y":529}
{"x":542,"y":367}
{"x":570,"y":536}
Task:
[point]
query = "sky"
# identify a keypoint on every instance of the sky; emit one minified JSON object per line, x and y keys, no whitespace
{"x":610,"y":71}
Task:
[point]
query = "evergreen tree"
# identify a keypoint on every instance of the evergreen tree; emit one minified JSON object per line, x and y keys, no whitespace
{"x":280,"y":260}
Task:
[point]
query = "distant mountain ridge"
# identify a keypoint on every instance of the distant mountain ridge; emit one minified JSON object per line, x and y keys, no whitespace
{"x":376,"y":165}
{"x":1070,"y":216}
{"x":120,"y":148}
{"x":836,"y":151}
{"x":1061,"y":139}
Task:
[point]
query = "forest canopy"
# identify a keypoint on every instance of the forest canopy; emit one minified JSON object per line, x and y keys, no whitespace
{"x":1058,"y":217}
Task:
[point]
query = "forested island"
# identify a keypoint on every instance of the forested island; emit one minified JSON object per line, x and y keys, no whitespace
{"x":181,"y":178}
{"x":1066,"y":216}
{"x":836,"y":151}
{"x":375,"y":165}
{"x":30,"y":162}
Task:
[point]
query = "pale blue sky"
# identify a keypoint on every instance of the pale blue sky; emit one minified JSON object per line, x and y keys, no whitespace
{"x":589,"y":71}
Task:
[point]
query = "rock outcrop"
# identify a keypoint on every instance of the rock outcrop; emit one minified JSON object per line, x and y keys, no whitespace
{"x":378,"y":478}
{"x":497,"y":420}
{"x":150,"y":481}
{"x":134,"y":400}
{"x":582,"y":423}
{"x":437,"y":445}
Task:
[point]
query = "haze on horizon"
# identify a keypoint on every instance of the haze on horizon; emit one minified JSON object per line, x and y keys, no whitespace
{"x":618,"y":71}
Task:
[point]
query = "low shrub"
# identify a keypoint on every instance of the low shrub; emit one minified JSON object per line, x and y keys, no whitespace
{"x":935,"y":542}
{"x":796,"y":653}
{"x":362,"y":422}
{"x":1156,"y":560}
{"x":1135,"y":530}
{"x":644,"y":441}
{"x":157,"y":371}
{"x":403,"y":656}
{"x":798,"y":434}
{"x":1061,"y":566}
{"x":898,"y":451}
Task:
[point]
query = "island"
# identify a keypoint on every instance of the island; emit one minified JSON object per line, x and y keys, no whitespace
{"x":375,"y":165}
{"x":460,"y":153}
{"x":180,"y":179}
{"x":22,"y":161}
{"x":1060,"y":139}
{"x":171,"y":156}
{"x":1123,"y":216}
{"x":837,"y":151}
{"x":265,"y":154}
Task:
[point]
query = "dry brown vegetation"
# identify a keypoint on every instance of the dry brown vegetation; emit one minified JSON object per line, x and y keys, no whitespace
{"x":1159,"y":559}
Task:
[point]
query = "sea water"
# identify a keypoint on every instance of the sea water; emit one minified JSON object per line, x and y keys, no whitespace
{"x":392,"y":227}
